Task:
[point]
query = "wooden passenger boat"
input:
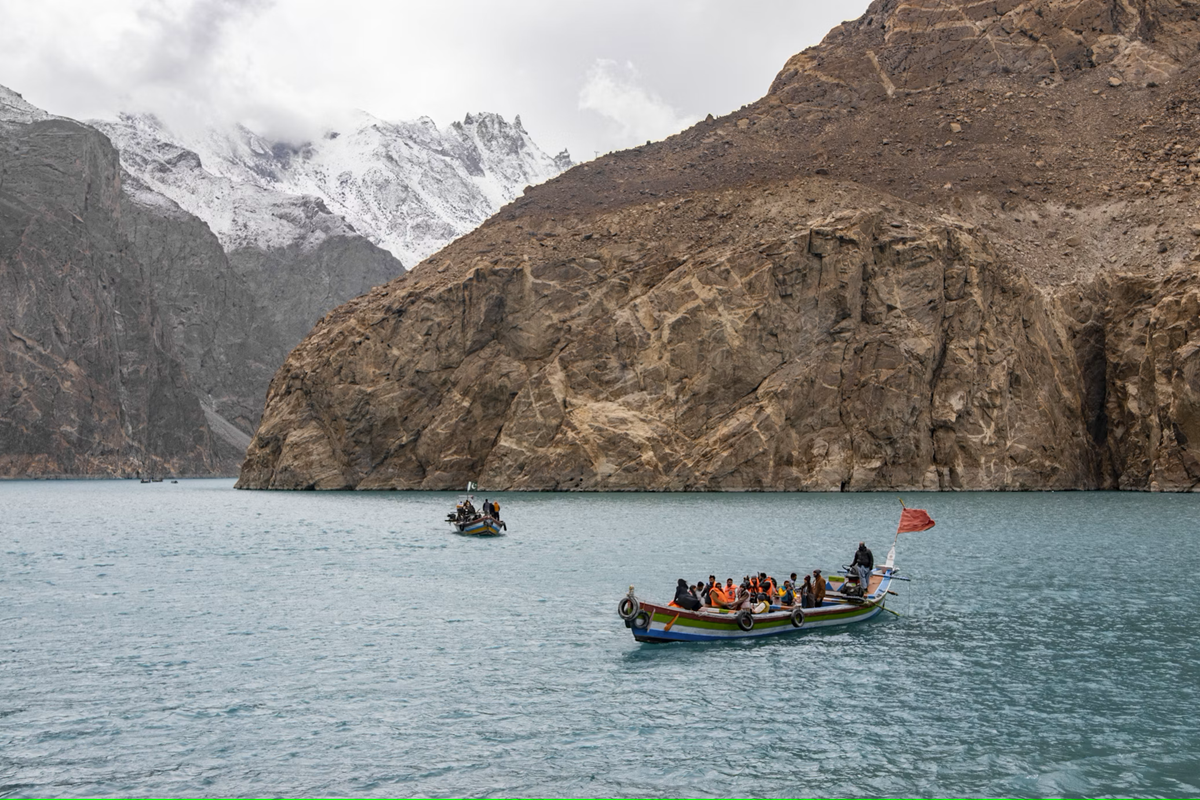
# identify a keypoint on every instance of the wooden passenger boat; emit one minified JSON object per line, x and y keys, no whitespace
{"x":478,"y":523}
{"x":479,"y":526}
{"x":652,"y":622}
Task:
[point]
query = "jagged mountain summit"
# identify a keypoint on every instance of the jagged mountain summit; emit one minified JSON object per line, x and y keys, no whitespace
{"x":409,"y":187}
{"x":955,"y":246}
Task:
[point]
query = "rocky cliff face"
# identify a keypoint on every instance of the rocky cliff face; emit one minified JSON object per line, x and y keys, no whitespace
{"x":155,"y":347}
{"x":953,"y":247}
{"x":91,"y":382}
{"x":235,"y":316}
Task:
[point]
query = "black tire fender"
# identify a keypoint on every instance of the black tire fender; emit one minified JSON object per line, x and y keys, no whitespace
{"x":642,"y":619}
{"x":745,"y":620}
{"x":628,"y":607}
{"x":797,"y":617}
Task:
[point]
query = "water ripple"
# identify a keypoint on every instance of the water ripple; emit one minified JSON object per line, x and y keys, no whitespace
{"x":228,"y":643}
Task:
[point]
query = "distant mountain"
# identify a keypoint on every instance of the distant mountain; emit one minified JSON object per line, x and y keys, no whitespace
{"x":91,"y":382}
{"x":138,"y":341}
{"x":408,"y":187}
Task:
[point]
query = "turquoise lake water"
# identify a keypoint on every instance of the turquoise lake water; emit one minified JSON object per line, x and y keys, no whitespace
{"x":189,"y":639}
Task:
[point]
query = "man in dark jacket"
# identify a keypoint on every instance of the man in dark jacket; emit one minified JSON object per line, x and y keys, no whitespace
{"x":864,"y":562}
{"x":684,"y":597}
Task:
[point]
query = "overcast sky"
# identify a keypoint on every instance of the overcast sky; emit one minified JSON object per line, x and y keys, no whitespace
{"x":589,"y":76}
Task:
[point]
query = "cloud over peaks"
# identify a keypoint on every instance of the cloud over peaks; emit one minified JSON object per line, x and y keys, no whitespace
{"x":634,"y":112}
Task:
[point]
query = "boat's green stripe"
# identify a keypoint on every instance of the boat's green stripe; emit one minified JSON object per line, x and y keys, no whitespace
{"x":731,"y":624}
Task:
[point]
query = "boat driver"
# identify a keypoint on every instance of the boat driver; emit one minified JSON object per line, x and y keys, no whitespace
{"x":864,"y":562}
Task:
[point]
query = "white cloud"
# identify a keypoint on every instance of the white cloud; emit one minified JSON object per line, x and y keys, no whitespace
{"x":289,"y":69}
{"x":638,"y":114}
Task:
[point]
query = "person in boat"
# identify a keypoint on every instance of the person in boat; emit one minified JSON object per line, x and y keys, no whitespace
{"x":716,"y":595}
{"x":723,"y":598}
{"x":496,"y":510}
{"x":818,"y":588}
{"x":684,"y":597}
{"x":468,"y":509}
{"x":864,"y":562}
{"x":787,"y":598}
{"x":806,"y":592}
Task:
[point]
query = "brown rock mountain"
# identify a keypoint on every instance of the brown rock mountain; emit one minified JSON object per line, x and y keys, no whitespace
{"x":954,"y":247}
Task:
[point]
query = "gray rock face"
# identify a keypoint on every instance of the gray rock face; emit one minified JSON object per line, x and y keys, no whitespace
{"x":90,"y":382}
{"x":207,"y":308}
{"x":134,"y":342}
{"x":235,"y":317}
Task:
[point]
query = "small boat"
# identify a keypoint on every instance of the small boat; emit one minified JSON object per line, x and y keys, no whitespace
{"x":475,"y":523}
{"x":652,"y":622}
{"x":479,"y":526}
{"x":145,"y":480}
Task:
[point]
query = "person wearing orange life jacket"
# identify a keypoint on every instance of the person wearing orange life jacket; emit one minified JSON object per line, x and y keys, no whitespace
{"x":744,"y":599}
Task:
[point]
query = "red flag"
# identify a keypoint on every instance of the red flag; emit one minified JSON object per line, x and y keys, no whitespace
{"x":913,"y":520}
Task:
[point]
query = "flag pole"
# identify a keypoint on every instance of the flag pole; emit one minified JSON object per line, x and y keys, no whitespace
{"x":891,"y":557}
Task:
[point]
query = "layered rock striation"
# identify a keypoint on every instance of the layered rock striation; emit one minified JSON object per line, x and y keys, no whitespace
{"x":954,"y":247}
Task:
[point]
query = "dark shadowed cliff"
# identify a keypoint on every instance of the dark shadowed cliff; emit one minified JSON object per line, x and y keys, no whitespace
{"x":133,"y":342}
{"x":954,"y":247}
{"x":91,"y":383}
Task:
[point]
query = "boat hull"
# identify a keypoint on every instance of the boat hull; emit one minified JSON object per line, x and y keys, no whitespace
{"x":483,"y":526}
{"x":672,"y":624}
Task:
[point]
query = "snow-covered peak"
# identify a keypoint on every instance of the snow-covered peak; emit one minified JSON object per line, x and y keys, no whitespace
{"x":239,"y":209}
{"x":15,"y":108}
{"x":409,"y":187}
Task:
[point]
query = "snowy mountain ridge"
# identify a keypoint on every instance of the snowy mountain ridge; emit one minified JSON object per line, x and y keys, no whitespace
{"x":409,"y":187}
{"x":16,"y":109}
